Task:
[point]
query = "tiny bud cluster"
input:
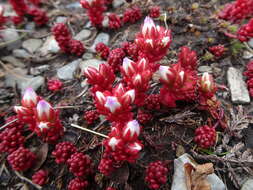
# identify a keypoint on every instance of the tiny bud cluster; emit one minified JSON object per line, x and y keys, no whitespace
{"x":205,"y":136}
{"x":114,"y":21}
{"x":102,"y":50}
{"x":249,"y":74}
{"x":54,"y":85}
{"x":63,"y":152}
{"x":154,"y":12}
{"x":115,"y":58}
{"x":132,"y":15}
{"x":78,"y":184}
{"x":245,"y":32}
{"x":40,"y":177}
{"x":217,"y":51}
{"x":91,"y":116}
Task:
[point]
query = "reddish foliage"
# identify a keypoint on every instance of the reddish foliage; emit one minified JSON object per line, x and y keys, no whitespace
{"x":21,"y":159}
{"x":106,"y":165}
{"x":78,"y":184}
{"x":91,"y":116}
{"x":40,"y":177}
{"x":3,"y":19}
{"x":218,"y":50}
{"x":63,"y":152}
{"x":154,"y":12}
{"x":11,"y":139}
{"x":131,"y":50}
{"x":245,"y":32}
{"x":132,"y":15}
{"x":187,"y":59}
{"x":115,"y":58}
{"x":205,"y":136}
{"x":249,"y":74}
{"x":153,"y":102}
{"x":19,"y":6}
{"x":114,"y":21}
{"x":54,"y":85}
{"x":144,"y":117}
{"x":76,"y":47}
{"x":39,"y":16}
{"x":17,"y":124}
{"x":156,"y":174}
{"x":80,"y":165}
{"x":102,"y":50}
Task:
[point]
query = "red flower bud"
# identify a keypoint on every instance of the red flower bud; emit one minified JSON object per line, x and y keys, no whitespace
{"x":30,"y":98}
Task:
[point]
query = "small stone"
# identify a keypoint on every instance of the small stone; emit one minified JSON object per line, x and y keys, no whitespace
{"x":237,"y":86}
{"x":67,"y":72}
{"x":248,"y":185}
{"x":30,"y":26}
{"x":9,"y":35}
{"x":117,"y":3}
{"x":87,"y":56}
{"x":38,"y":70}
{"x":32,"y":45}
{"x":33,"y":82}
{"x":14,"y":61}
{"x":21,"y":53}
{"x":75,"y":5}
{"x":250,"y":42}
{"x":205,"y":68}
{"x":101,"y":37}
{"x":90,"y":63}
{"x":61,"y":19}
{"x":83,"y":35}
{"x":247,"y":55}
{"x":105,"y":22}
{"x":50,"y":46}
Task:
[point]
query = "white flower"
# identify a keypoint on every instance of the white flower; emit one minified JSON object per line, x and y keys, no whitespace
{"x":112,"y":103}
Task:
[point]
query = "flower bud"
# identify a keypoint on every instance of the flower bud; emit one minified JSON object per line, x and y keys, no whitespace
{"x":207,"y":83}
{"x":45,"y":112}
{"x":30,"y":98}
{"x":113,"y":143}
{"x":131,"y":131}
{"x":112,"y":103}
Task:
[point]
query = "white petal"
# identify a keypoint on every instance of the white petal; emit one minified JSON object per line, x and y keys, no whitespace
{"x":127,"y":63}
{"x":148,"y":25}
{"x":112,"y":103}
{"x":113,"y":142}
{"x":43,"y":107}
{"x":30,"y":95}
{"x":164,"y":71}
{"x":42,"y":125}
{"x":181,"y":74}
{"x":131,"y":93}
{"x":100,"y":96}
{"x":134,"y":127}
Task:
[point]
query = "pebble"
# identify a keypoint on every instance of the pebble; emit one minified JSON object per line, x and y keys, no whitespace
{"x":238,"y":89}
{"x":67,"y":71}
{"x":205,"y":68}
{"x":87,"y":56}
{"x":75,"y":5}
{"x":247,"y":55}
{"x":38,"y":70}
{"x":11,"y":35}
{"x":30,"y":26}
{"x":21,"y":53}
{"x":61,"y":19}
{"x":250,"y":42}
{"x":117,"y":3}
{"x":248,"y":185}
{"x":83,"y":35}
{"x":32,"y":45}
{"x":90,"y":63}
{"x":101,"y":37}
{"x":50,"y":46}
{"x":14,"y":61}
{"x":178,"y":182}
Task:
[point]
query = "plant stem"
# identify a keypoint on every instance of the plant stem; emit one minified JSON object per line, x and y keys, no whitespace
{"x":88,"y":130}
{"x":5,"y":125}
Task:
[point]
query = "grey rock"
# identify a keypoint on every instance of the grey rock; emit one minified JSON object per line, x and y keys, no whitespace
{"x":117,"y":3}
{"x":83,"y":35}
{"x":19,"y":78}
{"x":179,"y":175}
{"x":101,"y":37}
{"x":90,"y":63}
{"x":88,"y":25}
{"x":75,"y":5}
{"x":32,"y":45}
{"x":205,"y":68}
{"x":105,"y":22}
{"x":248,"y":185}
{"x":14,"y":61}
{"x":38,"y":70}
{"x":30,"y":26}
{"x":250,"y":42}
{"x":237,"y":86}
{"x":87,"y":56}
{"x":21,"y":53}
{"x":61,"y":19}
{"x":67,"y":72}
{"x":247,"y":55}
{"x":50,"y":46}
{"x":9,"y":35}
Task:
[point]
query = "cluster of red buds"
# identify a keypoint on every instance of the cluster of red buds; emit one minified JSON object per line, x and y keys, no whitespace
{"x":153,"y":41}
{"x":78,"y":184}
{"x":153,"y":102}
{"x":40,"y":177}
{"x":114,"y":21}
{"x":110,"y":188}
{"x":95,"y":10}
{"x":154,"y":12}
{"x":101,"y":79}
{"x":3,"y":19}
{"x":188,"y":59}
{"x":132,"y":15}
{"x":115,"y":58}
{"x":54,"y":85}
{"x":65,"y":40}
{"x":137,"y":76}
{"x":245,"y":32}
{"x":22,"y":9}
{"x":40,"y":116}
{"x":131,"y":50}
{"x":218,"y":51}
{"x":63,"y":152}
{"x":249,"y":74}
{"x":122,"y":145}
{"x":144,"y":117}
{"x":156,"y":174}
{"x":237,"y":10}
{"x":91,"y":116}
{"x":115,"y":104}
{"x":102,"y":50}
{"x":21,"y":159}
{"x":205,"y":136}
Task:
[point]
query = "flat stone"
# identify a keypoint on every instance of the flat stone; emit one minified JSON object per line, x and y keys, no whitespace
{"x":250,"y":42}
{"x":87,"y":56}
{"x":248,"y":185}
{"x":75,"y":5}
{"x":178,"y":182}
{"x":205,"y":68}
{"x":14,"y":61}
{"x":101,"y":37}
{"x":21,"y":53}
{"x":237,"y":86}
{"x":67,"y":72}
{"x":247,"y":55}
{"x":9,"y":35}
{"x":50,"y":46}
{"x":61,"y":19}
{"x":30,"y":26}
{"x":83,"y":35}
{"x":38,"y":70}
{"x":33,"y":82}
{"x":32,"y":45}
{"x":90,"y":63}
{"x":117,"y":3}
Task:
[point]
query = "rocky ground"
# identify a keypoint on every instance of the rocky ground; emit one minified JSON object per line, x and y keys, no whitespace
{"x":29,"y":56}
